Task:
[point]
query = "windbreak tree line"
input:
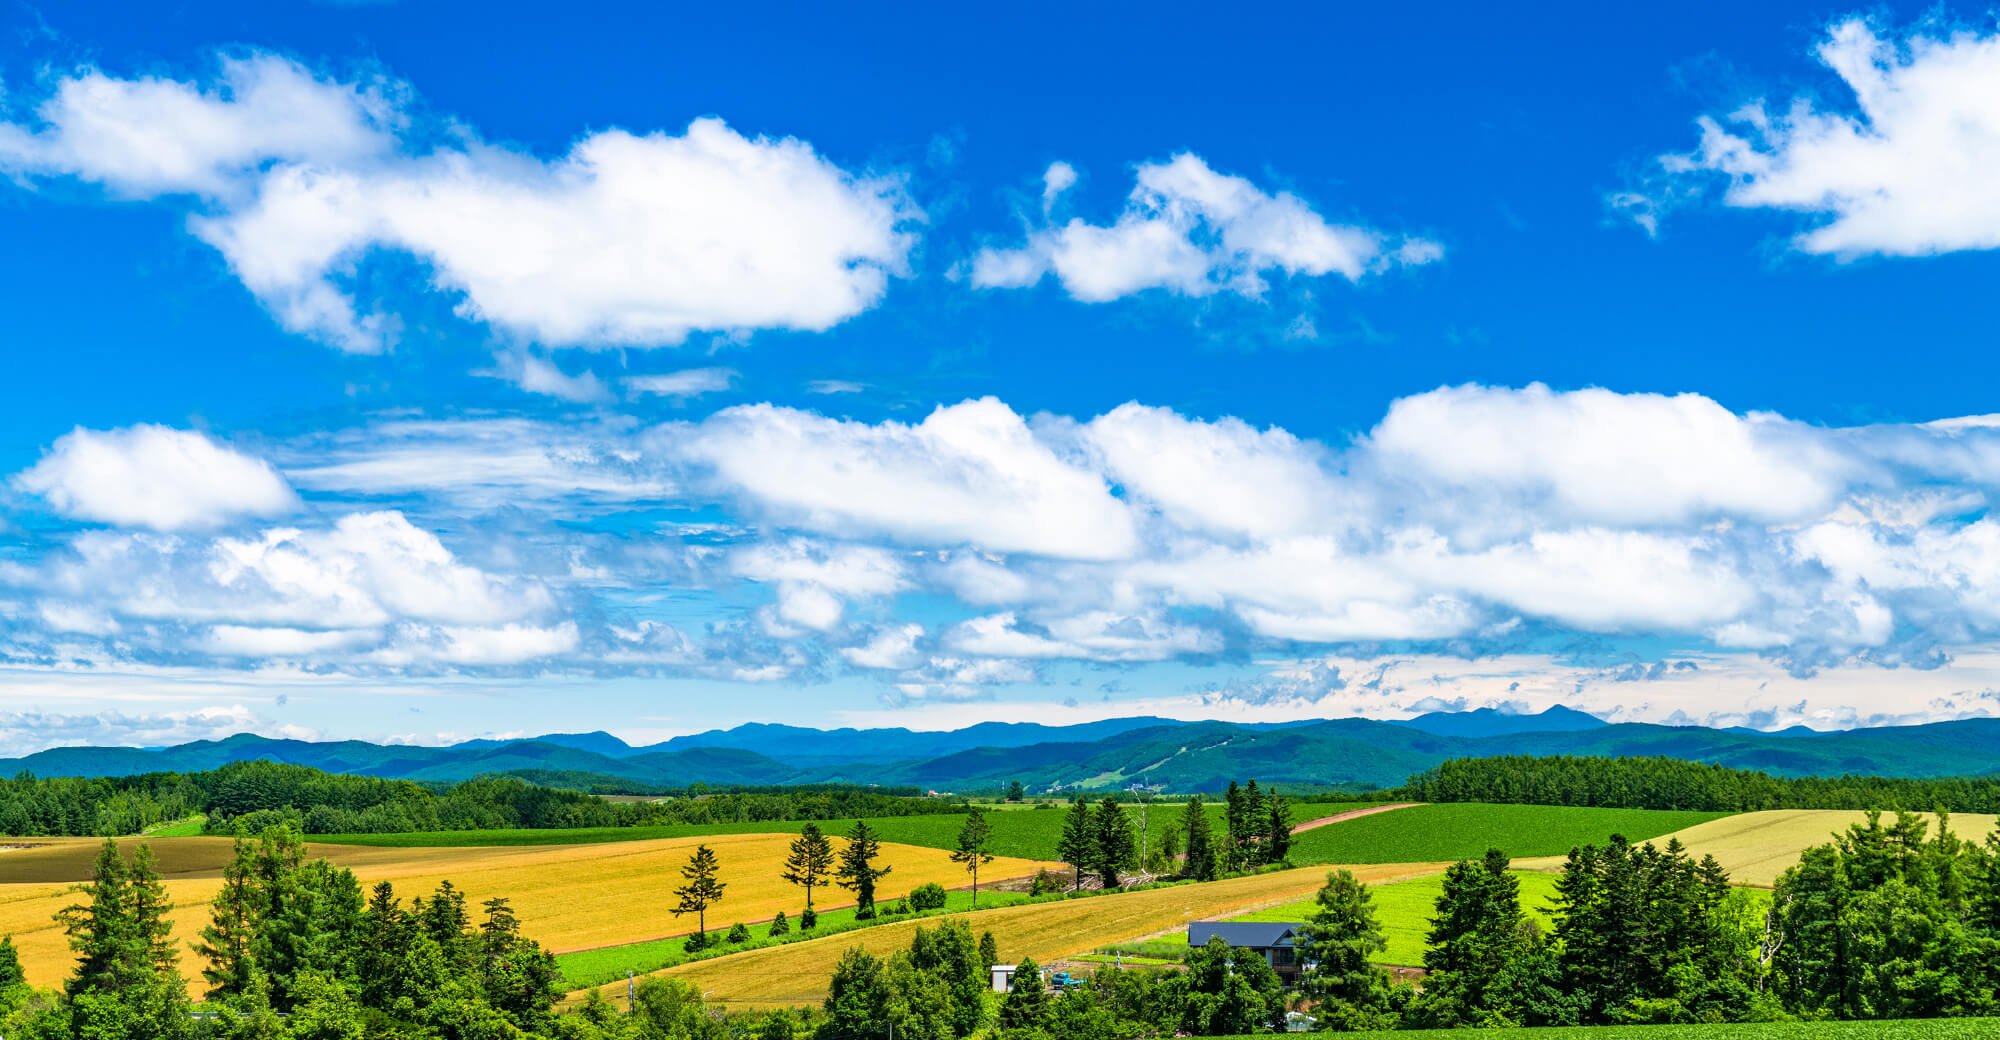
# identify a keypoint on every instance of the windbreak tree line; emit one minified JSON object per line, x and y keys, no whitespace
{"x":261,"y":794}
{"x":1101,"y":841}
{"x":1672,"y":783}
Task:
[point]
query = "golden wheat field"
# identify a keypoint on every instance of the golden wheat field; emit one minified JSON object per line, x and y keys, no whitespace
{"x":568,"y":896}
{"x":797,"y":973}
{"x":1757,"y":847}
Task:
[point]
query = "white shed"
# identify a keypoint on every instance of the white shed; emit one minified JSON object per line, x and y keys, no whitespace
{"x":1003,"y":977}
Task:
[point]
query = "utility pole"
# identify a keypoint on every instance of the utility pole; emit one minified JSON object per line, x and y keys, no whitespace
{"x":630,"y":1001}
{"x":1143,"y":805}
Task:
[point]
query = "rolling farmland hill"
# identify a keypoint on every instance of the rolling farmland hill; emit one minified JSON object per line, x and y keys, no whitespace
{"x":1757,"y":847}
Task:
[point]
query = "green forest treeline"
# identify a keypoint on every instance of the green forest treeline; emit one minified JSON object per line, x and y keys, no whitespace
{"x":260,"y":794}
{"x":1672,"y":783}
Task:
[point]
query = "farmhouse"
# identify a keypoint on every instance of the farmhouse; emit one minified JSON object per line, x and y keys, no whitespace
{"x":1274,"y":939}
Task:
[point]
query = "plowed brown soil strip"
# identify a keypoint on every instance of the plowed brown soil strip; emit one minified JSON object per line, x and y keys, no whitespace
{"x":1352,"y":814}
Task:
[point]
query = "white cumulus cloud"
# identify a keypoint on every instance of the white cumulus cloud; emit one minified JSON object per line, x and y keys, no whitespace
{"x":155,"y":477}
{"x":1905,"y":169}
{"x":1191,"y":230}
{"x":627,"y":239}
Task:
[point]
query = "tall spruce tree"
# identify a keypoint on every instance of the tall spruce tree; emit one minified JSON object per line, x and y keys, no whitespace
{"x":227,"y":942}
{"x":1233,"y":823}
{"x":1277,"y":829}
{"x":1201,"y":859}
{"x":110,"y":953}
{"x":1249,"y":840}
{"x":810,"y":862}
{"x":1117,"y":847}
{"x":701,"y":889}
{"x":975,"y":841}
{"x":1078,"y":843}
{"x":1475,"y":934}
{"x":857,"y":871}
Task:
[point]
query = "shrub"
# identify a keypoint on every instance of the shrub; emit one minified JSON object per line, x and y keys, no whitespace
{"x":1046,"y":883}
{"x":808,"y":920}
{"x":927,"y":897}
{"x":779,"y":926}
{"x":696,"y":943}
{"x":739,"y":933}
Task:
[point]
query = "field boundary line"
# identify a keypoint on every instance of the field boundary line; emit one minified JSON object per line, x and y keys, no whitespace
{"x":1352,"y":814}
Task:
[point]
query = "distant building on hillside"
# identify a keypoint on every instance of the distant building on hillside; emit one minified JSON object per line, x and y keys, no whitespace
{"x":1275,"y":940}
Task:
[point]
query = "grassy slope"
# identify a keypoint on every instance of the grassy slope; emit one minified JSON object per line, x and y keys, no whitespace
{"x":1925,"y":1029}
{"x":1465,"y":831}
{"x":1756,"y":847}
{"x":1405,"y":908}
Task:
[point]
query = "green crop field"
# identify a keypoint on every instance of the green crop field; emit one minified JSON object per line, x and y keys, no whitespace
{"x":1404,"y":910}
{"x":188,"y":828}
{"x":585,"y":968}
{"x":1431,"y":833}
{"x":1029,"y":834}
{"x":1905,"y":1029}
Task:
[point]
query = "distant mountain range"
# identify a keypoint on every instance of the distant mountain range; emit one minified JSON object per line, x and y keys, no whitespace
{"x":1096,"y":755}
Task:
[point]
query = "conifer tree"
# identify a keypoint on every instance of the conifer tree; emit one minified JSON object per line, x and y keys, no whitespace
{"x":1078,"y":843}
{"x":151,"y":931}
{"x":1277,"y":829}
{"x":1117,"y":848}
{"x":701,"y":890}
{"x":1027,"y":1001}
{"x":857,"y":871}
{"x":810,"y":862}
{"x":1201,"y":859}
{"x":11,"y":974}
{"x":1341,"y":942}
{"x":1250,"y":839}
{"x":101,"y":930}
{"x":226,"y":943}
{"x":975,"y":838}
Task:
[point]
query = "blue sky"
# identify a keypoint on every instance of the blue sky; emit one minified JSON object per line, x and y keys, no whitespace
{"x":425,"y":371}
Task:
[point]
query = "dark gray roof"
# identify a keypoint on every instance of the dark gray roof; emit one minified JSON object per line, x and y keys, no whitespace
{"x":1244,"y":933}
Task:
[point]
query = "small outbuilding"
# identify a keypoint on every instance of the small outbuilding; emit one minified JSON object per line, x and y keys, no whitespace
{"x":1003,"y":977}
{"x":1275,"y":940}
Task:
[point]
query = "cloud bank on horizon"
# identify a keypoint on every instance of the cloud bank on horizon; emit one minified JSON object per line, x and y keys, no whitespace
{"x":1643,"y":555}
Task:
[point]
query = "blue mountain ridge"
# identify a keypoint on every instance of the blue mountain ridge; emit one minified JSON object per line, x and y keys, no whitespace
{"x":1113,"y":753}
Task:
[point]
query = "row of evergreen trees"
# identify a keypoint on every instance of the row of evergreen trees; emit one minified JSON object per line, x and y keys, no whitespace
{"x":259,"y":794}
{"x":1101,"y":841}
{"x":1672,"y":783}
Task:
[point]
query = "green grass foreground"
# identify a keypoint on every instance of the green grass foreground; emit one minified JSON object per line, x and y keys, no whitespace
{"x":1903,"y":1029}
